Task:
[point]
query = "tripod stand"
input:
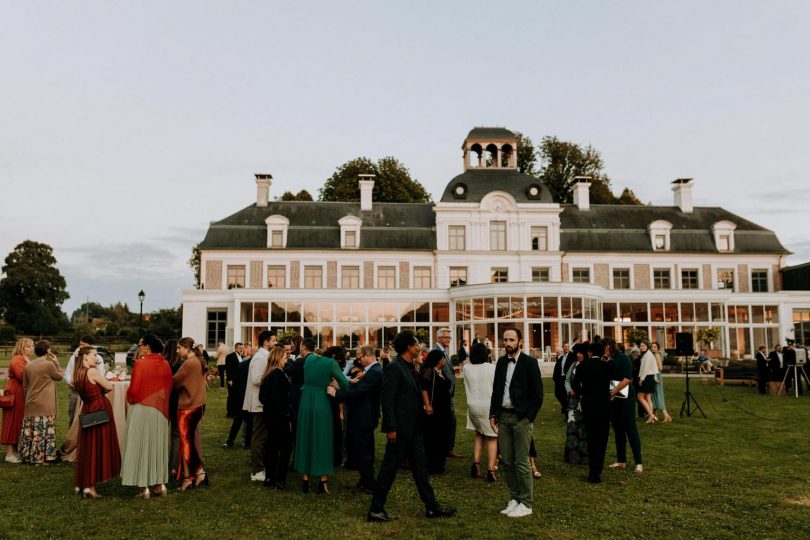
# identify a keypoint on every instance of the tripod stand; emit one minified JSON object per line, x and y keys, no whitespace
{"x":688,"y":398}
{"x":796,"y":380}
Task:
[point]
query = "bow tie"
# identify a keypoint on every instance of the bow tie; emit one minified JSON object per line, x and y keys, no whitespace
{"x":511,"y":359}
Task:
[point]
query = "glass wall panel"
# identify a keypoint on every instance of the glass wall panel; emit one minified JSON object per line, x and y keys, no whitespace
{"x":656,"y":312}
{"x":576,"y":308}
{"x":246,"y":312}
{"x":671,"y":312}
{"x":407,"y":313}
{"x":278,"y":312}
{"x":325,"y":312}
{"x":772,"y":337}
{"x":478,"y":308}
{"x":771,"y":314}
{"x":757,"y":315}
{"x":534,"y":307}
{"x":687,"y":312}
{"x":441,"y":311}
{"x":503,"y":308}
{"x":742,"y":314}
{"x":717,"y":312}
{"x":636,"y":312}
{"x":701,"y":312}
{"x":609,"y":312}
{"x":517,"y":307}
{"x":345,"y":337}
{"x":550,"y":309}
{"x":423,"y":312}
{"x":759,"y":337}
{"x":293,"y":312}
{"x":565,"y":309}
{"x":489,"y":308}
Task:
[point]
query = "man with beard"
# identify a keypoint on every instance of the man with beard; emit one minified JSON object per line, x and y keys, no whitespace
{"x":517,"y":395}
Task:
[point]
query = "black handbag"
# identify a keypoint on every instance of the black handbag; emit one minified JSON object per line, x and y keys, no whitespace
{"x":95,"y":418}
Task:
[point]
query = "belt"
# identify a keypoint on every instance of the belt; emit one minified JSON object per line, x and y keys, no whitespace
{"x":508,"y":409}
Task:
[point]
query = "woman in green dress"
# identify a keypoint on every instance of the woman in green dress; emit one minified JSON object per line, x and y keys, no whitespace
{"x":314,"y":437}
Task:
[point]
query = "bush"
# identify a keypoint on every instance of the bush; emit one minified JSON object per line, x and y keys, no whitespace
{"x":8,"y":333}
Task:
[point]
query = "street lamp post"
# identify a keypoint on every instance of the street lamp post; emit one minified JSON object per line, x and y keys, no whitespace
{"x":141,"y":297}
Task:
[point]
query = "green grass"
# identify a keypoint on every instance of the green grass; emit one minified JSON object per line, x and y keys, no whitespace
{"x":742,"y":472}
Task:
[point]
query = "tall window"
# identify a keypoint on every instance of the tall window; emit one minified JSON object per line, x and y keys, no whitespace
{"x":457,"y":236}
{"x":540,"y":274}
{"x":351,"y":239}
{"x":422,"y":277}
{"x":277,"y":239}
{"x":386,"y":277}
{"x":313,"y":277}
{"x":497,"y":235}
{"x":581,"y":275}
{"x":725,"y":279}
{"x":350,"y":277}
{"x":458,"y":276}
{"x":539,"y":238}
{"x":277,"y":277}
{"x":217,"y":320}
{"x":621,"y":278}
{"x":689,"y":279}
{"x":236,"y":277}
{"x":661,"y":278}
{"x":499,"y":275}
{"x":759,"y":281}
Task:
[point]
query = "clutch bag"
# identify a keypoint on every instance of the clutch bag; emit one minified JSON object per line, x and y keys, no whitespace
{"x":95,"y":418}
{"x":623,"y":393}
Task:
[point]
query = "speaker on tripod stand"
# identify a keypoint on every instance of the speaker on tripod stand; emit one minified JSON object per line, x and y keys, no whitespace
{"x":684,"y":346}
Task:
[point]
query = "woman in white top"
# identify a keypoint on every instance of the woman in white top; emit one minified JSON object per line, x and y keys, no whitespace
{"x":479,"y":376}
{"x":646,"y":381}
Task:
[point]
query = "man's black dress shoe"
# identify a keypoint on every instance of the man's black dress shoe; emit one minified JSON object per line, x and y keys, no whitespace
{"x":440,"y":511}
{"x":379,"y":517}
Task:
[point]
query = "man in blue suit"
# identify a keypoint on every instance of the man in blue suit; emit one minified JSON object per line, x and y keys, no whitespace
{"x":363,"y":399}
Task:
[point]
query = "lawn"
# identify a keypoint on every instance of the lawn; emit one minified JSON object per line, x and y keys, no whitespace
{"x":742,"y":472}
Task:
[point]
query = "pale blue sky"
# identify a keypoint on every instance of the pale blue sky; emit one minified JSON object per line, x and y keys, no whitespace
{"x":127,"y":126}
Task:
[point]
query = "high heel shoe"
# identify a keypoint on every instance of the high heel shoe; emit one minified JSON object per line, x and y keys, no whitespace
{"x":161,"y":491}
{"x":204,"y":481}
{"x":536,"y":473}
{"x":188,"y":483}
{"x":323,"y":487}
{"x":88,"y":494}
{"x":491,"y":475}
{"x":143,"y":494}
{"x":652,"y":419}
{"x":305,"y":486}
{"x":475,"y":470}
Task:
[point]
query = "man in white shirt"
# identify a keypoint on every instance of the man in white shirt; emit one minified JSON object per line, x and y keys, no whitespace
{"x":84,"y":341}
{"x":254,"y":407}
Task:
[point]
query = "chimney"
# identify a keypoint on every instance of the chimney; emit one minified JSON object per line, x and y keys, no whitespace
{"x":581,"y":194}
{"x":682,"y":187}
{"x":366,"y":187}
{"x":263,"y":182}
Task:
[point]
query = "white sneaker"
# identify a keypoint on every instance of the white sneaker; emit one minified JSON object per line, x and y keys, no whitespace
{"x":257,"y":477}
{"x":509,"y":507}
{"x":13,"y":458}
{"x":520,"y":511}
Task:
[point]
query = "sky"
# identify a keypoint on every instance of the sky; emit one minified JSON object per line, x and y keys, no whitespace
{"x":126,"y":127}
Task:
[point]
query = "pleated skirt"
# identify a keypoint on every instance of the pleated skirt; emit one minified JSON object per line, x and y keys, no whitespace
{"x":146,"y":458}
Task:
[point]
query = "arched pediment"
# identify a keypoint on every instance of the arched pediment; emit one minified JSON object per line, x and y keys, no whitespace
{"x":498,"y":201}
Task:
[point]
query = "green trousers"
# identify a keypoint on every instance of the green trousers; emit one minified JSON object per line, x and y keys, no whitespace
{"x":514,"y":437}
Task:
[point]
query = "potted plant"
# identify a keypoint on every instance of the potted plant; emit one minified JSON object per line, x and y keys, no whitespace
{"x":707,"y":336}
{"x":637,"y":335}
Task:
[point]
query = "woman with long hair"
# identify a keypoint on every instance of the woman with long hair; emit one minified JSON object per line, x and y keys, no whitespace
{"x":191,"y":382}
{"x":479,"y":375}
{"x":37,"y":443}
{"x":436,"y":398}
{"x":646,"y":381}
{"x":274,"y":394}
{"x":174,"y":360}
{"x":659,"y":403}
{"x":98,"y":457}
{"x":576,"y":438}
{"x":146,"y":458}
{"x":13,"y":416}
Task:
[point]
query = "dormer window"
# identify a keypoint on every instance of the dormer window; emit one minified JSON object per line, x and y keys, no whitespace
{"x":350,"y":232}
{"x":724,"y":236}
{"x":659,"y":235}
{"x":277,"y":231}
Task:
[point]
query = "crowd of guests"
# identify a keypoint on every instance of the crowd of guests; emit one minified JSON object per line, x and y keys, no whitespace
{"x":312,"y":413}
{"x":777,"y":367}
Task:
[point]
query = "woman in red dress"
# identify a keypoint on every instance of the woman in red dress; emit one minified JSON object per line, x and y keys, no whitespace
{"x":98,"y":457}
{"x":13,"y":417}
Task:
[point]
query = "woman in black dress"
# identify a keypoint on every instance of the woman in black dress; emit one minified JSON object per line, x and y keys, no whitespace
{"x":592,"y":383}
{"x":436,"y":399}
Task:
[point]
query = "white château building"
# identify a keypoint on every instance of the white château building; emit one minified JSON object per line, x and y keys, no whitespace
{"x":494,"y":251}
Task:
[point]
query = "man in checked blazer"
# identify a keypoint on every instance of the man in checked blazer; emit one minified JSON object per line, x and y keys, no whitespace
{"x":517,"y":395}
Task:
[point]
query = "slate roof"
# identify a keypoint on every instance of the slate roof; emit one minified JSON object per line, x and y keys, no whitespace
{"x":612,"y":227}
{"x":480,"y":182}
{"x":412,"y":226}
{"x":494,"y":133}
{"x":314,"y":225}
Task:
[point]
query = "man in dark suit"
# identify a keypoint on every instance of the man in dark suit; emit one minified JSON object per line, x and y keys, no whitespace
{"x":443,"y":345}
{"x":517,"y":395}
{"x":363,"y":400}
{"x":231,"y":368}
{"x":592,"y":385}
{"x":401,"y":405}
{"x":237,"y":392}
{"x":776,"y":363}
{"x":560,"y":368}
{"x":762,"y":370}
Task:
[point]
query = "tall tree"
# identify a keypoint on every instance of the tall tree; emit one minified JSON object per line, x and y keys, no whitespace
{"x":392,"y":182}
{"x":526,"y":155}
{"x":32,"y":290}
{"x":562,"y":161}
{"x":302,"y":195}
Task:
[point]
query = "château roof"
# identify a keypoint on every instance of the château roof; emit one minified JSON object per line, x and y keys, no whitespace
{"x":493,"y":133}
{"x":480,"y":182}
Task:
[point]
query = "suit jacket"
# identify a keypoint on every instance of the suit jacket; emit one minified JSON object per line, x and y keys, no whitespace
{"x":559,"y":373}
{"x":789,"y":356}
{"x":400,"y":398}
{"x":448,"y":371}
{"x":773,"y":361}
{"x":363,"y":398}
{"x":762,"y":362}
{"x":525,"y":390}
{"x":231,"y":367}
